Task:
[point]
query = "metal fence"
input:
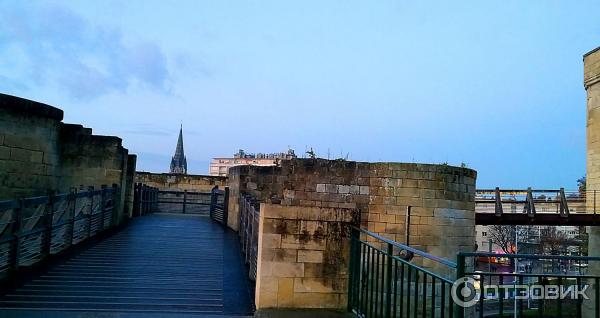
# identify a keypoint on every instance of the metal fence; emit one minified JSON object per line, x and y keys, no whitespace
{"x":384,"y":282}
{"x":528,"y":286}
{"x":249,"y":217}
{"x":33,"y":228}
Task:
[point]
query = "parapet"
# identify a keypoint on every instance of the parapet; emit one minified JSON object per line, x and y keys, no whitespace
{"x":28,"y":107}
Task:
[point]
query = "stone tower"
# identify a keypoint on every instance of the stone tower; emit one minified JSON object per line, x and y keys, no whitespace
{"x":178,"y":162}
{"x":591,"y":82}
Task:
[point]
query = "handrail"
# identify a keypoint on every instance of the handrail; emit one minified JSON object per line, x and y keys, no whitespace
{"x":529,"y":256}
{"x":410,"y":249}
{"x":48,"y":216}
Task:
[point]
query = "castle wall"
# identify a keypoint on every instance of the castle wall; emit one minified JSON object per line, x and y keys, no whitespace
{"x":39,"y":153}
{"x":375,"y":196}
{"x":197,"y":183}
{"x":29,"y":147}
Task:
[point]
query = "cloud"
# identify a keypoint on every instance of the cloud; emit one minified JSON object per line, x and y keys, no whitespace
{"x":58,"y":47}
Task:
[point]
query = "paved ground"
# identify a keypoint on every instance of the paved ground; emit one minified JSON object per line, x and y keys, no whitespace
{"x":159,"y":265}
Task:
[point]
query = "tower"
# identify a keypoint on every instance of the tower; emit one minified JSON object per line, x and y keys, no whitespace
{"x":178,"y":162}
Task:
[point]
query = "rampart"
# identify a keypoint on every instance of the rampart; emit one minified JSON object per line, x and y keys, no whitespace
{"x":309,"y":205}
{"x":40,"y":153}
{"x":198,"y":183}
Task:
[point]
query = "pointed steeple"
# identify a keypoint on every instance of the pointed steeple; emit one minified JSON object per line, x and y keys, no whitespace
{"x":178,"y":162}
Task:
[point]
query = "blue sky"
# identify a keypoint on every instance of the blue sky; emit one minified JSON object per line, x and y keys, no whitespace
{"x":494,"y":84}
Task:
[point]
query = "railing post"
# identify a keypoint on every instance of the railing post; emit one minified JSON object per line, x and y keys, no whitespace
{"x":213,"y":202}
{"x":116,"y":199}
{"x":226,"y":206}
{"x":73,"y":197}
{"x":136,"y":200}
{"x":184,"y":199}
{"x":103,"y":205}
{"x":388,"y":280}
{"x":91,"y":196}
{"x":144,"y":198}
{"x":48,"y":220}
{"x":459,"y":311}
{"x":16,"y":233}
{"x":155,"y":200}
{"x":354,"y":237}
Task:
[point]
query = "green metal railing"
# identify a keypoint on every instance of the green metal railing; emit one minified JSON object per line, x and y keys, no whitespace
{"x":386,"y":282}
{"x":515,"y":287}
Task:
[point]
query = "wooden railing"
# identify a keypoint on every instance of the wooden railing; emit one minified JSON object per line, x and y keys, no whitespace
{"x":145,"y":199}
{"x":249,"y":217}
{"x":31,"y":229}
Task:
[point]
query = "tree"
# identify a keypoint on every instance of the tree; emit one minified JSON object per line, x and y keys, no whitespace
{"x":503,"y":236}
{"x":555,"y":241}
{"x":581,"y":184}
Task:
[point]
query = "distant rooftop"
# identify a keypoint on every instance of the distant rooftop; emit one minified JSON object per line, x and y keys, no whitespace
{"x":280,"y":155}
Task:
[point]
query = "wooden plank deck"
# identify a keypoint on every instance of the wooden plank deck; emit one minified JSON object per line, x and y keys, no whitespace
{"x":160,"y":264}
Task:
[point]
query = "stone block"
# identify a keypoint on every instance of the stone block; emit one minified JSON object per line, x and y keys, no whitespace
{"x":4,"y":152}
{"x":284,"y":269}
{"x":278,"y":212}
{"x":316,"y":285}
{"x":317,"y":300}
{"x":285,"y":293}
{"x":271,"y":240}
{"x":278,"y":255}
{"x":364,"y":190}
{"x":266,"y":299}
{"x":321,"y":187}
{"x":308,"y":256}
{"x":331,"y":188}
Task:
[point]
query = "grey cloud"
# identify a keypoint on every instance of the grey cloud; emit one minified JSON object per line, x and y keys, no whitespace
{"x":86,"y":60}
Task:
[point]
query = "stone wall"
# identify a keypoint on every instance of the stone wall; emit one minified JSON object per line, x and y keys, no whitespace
{"x":441,"y":197}
{"x":39,"y":153}
{"x":29,"y":147}
{"x":303,"y":257}
{"x":591,"y":80}
{"x":198,"y":183}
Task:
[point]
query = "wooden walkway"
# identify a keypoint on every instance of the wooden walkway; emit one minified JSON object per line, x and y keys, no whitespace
{"x":160,"y":264}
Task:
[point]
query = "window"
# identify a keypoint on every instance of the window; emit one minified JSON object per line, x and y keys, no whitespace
{"x":483,"y":233}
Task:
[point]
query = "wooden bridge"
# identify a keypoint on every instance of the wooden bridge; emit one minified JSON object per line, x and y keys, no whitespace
{"x":159,"y":263}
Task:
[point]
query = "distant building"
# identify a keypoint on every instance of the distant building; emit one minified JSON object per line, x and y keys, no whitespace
{"x":220,"y":166}
{"x":178,"y":162}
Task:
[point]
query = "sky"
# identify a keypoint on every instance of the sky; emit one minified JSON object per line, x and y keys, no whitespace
{"x":496,"y":85}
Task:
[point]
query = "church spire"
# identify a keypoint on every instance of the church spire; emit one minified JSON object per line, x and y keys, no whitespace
{"x":178,"y":162}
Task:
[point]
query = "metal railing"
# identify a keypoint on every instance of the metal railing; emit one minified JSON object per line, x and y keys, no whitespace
{"x":519,"y":288}
{"x":31,"y":229}
{"x":531,"y":201}
{"x":384,"y":282}
{"x":219,"y":205}
{"x":249,"y":218}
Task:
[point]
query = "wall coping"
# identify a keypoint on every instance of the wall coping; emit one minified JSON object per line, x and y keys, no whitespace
{"x":181,"y":175}
{"x":29,"y":107}
{"x":444,"y":168}
{"x":591,"y":52}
